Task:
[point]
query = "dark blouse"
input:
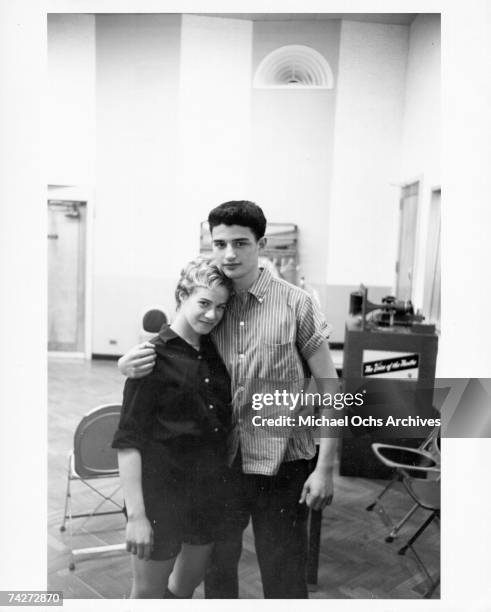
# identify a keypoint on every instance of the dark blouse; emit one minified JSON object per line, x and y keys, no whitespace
{"x":183,"y":407}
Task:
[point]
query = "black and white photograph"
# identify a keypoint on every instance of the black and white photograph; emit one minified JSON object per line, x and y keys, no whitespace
{"x":255,"y":257}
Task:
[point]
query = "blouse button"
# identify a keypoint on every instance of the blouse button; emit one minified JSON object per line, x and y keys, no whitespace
{"x":200,"y":357}
{"x":211,"y":406}
{"x":216,"y":429}
{"x":207,"y":380}
{"x":242,"y":323}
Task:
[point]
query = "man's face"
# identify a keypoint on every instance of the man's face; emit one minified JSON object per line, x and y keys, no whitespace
{"x":236,"y":250}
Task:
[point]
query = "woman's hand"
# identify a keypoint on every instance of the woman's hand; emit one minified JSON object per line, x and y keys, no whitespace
{"x":139,"y":537}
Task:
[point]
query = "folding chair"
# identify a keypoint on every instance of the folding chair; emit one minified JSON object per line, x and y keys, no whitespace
{"x":427,"y":455}
{"x":420,"y":475}
{"x":93,"y":459}
{"x":426,"y":494}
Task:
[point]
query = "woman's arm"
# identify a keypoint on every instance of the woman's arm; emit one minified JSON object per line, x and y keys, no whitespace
{"x":139,"y":533}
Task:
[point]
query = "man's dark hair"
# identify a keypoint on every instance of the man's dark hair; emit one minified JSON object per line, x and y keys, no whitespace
{"x":239,"y":212}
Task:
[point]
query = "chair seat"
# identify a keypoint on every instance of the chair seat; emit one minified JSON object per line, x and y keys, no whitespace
{"x":425,"y":492}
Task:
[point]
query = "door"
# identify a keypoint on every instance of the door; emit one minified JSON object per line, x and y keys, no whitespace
{"x":432,"y":290}
{"x":66,"y":275}
{"x":407,"y":241}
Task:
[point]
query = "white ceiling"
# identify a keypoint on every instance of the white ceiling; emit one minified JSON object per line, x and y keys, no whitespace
{"x":389,"y":18}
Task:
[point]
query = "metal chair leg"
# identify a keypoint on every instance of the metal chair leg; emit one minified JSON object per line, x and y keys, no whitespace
{"x":416,"y":535}
{"x":67,"y":493}
{"x":431,"y":590}
{"x":371,"y":506}
{"x":409,"y":544}
{"x":70,"y":516}
{"x":95,"y":511}
{"x":71,"y":564}
{"x":393,"y":534}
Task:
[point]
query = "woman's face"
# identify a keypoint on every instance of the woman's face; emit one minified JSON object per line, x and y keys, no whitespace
{"x":203,"y":309}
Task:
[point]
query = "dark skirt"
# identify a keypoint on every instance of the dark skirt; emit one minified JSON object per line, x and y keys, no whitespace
{"x":184,"y":490}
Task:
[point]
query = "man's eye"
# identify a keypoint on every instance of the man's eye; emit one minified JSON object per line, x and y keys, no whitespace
{"x":219,"y":245}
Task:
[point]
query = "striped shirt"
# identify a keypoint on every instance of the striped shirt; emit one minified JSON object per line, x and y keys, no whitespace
{"x":262,"y":339}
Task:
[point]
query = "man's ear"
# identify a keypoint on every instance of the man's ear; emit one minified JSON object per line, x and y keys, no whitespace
{"x":262,"y":242}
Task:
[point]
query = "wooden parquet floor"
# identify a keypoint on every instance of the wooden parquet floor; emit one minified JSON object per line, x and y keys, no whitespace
{"x":355,"y":561}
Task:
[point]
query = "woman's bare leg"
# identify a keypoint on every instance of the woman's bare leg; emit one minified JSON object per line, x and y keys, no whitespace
{"x":189,"y":569}
{"x":149,"y":578}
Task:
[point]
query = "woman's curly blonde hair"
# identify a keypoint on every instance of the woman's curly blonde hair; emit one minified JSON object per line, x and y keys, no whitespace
{"x":200,"y":272}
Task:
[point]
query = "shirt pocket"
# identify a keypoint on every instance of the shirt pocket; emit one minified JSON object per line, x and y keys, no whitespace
{"x":280,"y":362}
{"x":282,"y":333}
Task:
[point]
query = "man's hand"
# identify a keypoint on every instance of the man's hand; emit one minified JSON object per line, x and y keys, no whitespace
{"x":139,"y":537}
{"x":138,"y":361}
{"x":318,"y":490}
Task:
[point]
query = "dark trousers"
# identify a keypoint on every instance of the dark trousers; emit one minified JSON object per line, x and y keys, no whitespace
{"x":280,"y":532}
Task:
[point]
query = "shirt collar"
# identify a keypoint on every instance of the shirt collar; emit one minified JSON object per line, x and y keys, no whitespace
{"x":165,"y":334}
{"x":261,"y":285}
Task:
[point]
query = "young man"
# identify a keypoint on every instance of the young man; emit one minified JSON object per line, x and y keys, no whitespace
{"x":268,"y":327}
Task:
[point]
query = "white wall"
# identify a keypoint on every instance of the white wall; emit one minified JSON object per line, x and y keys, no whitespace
{"x":214,"y":116}
{"x":421,"y":144}
{"x":70,"y":102}
{"x":173,"y":100}
{"x":136,"y":213}
{"x":180,"y":129}
{"x":363,"y":226}
{"x":291,"y":142}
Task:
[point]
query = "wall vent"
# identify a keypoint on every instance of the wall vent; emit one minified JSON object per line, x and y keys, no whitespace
{"x":294,"y":67}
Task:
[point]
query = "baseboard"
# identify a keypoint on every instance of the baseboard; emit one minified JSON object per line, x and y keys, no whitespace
{"x":105,"y":357}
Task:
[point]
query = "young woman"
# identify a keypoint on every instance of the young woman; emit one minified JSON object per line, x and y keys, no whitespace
{"x":171,"y":443}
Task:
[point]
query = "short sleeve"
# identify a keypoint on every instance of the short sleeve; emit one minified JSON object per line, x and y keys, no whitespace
{"x":137,"y":414}
{"x":312,"y":327}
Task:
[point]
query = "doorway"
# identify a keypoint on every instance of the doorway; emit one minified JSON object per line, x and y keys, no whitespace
{"x":432,"y":291}
{"x":67,"y":220}
{"x":407,"y":241}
